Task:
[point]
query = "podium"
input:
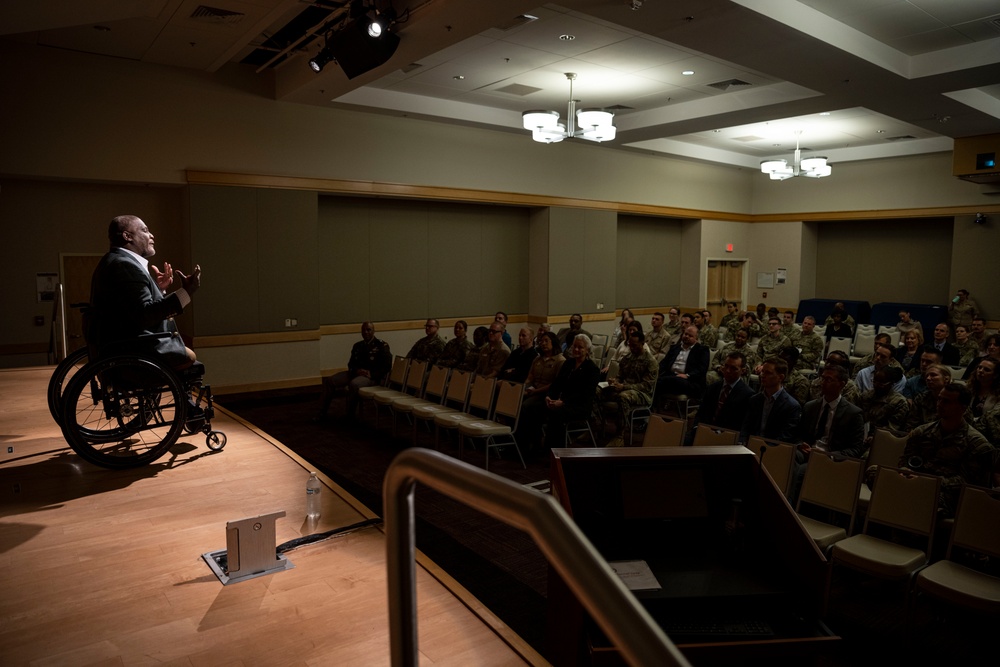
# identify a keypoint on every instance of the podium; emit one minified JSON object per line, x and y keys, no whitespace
{"x":739,"y":580}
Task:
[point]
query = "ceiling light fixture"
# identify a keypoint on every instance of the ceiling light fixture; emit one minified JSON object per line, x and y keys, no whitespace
{"x":811,"y":167}
{"x":590,"y":124}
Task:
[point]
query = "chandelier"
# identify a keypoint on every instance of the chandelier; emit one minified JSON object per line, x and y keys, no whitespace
{"x":590,"y":124}
{"x":811,"y":167}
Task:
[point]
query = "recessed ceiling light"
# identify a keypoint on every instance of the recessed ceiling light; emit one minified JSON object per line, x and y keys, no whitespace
{"x":824,"y":113}
{"x":458,"y":77}
{"x":880,"y":131}
{"x":688,"y":72}
{"x":567,"y":38}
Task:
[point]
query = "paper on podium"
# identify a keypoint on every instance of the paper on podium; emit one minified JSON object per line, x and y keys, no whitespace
{"x":635,"y":574}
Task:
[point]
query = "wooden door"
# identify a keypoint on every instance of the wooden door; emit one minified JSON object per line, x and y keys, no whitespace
{"x":724,"y":285}
{"x":76,"y":273}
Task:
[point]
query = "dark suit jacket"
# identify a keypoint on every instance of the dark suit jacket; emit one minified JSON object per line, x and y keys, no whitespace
{"x":697,"y":368}
{"x":952,"y":355}
{"x":576,"y":387}
{"x":733,"y":411}
{"x":847,"y":434}
{"x":782,"y":422}
{"x":126,"y":303}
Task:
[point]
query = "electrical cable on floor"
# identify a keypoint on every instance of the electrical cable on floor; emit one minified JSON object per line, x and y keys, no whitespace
{"x":319,"y":537}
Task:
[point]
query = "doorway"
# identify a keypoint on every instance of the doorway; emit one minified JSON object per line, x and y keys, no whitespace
{"x":76,"y":271}
{"x":724,"y":285}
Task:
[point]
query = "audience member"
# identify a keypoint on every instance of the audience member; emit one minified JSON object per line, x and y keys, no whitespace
{"x":725,"y":403}
{"x":708,"y":335}
{"x":571,"y":396}
{"x":684,"y":368}
{"x":923,"y":408}
{"x":761,"y":312}
{"x":968,"y":349}
{"x":914,"y":385}
{"x":750,"y":324}
{"x":978,"y":333}
{"x":836,"y":327}
{"x":984,"y":387}
{"x":620,"y":335}
{"x":494,"y":353}
{"x":908,"y":354}
{"x":796,"y":382}
{"x":369,"y":363}
{"x":949,"y":353}
{"x":519,"y":362}
{"x":883,"y":406}
{"x":772,"y":413}
{"x":810,"y":344}
{"x":771,"y":344}
{"x":992,"y":352}
{"x":907,"y":324}
{"x":882,"y":358}
{"x":457,"y":348}
{"x":633,"y":386}
{"x":686,"y":321}
{"x":845,"y":317}
{"x":867,"y":360}
{"x":951,"y":449}
{"x":673,"y":325}
{"x":544,"y":370}
{"x":788,"y":327}
{"x":742,"y":345}
{"x":501,"y":317}
{"x":568,"y":334}
{"x":543,"y":329}
{"x":850,"y":391}
{"x":732,"y":317}
{"x":430,"y":347}
{"x":479,"y":340}
{"x":657,"y":337}
{"x":962,"y":310}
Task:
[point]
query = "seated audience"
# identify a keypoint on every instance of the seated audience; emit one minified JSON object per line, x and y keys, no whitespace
{"x":810,"y":344}
{"x":761,"y":312}
{"x":908,"y":354}
{"x":915,"y":384}
{"x":518,"y":364}
{"x":673,"y":325}
{"x":771,"y":344}
{"x":568,"y":334}
{"x":968,"y":349}
{"x":501,"y":317}
{"x":992,"y":352}
{"x":479,"y":340}
{"x":984,"y":387}
{"x":845,"y":317}
{"x":369,"y":363}
{"x":430,"y":347}
{"x":867,"y":360}
{"x":571,"y":396}
{"x":741,"y":344}
{"x":796,"y":382}
{"x":708,"y":335}
{"x":732,"y":317}
{"x":544,"y":370}
{"x":882,"y":405}
{"x":906,"y":324}
{"x":725,"y":403}
{"x":620,"y":335}
{"x":494,"y":353}
{"x":750,"y":324}
{"x":923,"y":407}
{"x":684,"y":368}
{"x":978,"y":333}
{"x":657,"y":337}
{"x":543,"y":329}
{"x":951,"y":448}
{"x":772,"y":413}
{"x":882,"y":358}
{"x":850,"y":391}
{"x":788,"y":327}
{"x":836,"y":327}
{"x":949,"y":353}
{"x":457,"y":348}
{"x":633,"y":386}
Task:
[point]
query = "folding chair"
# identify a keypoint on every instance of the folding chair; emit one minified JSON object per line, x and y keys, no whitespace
{"x":456,"y":400}
{"x":394,"y":382}
{"x":432,"y":394}
{"x":832,"y":484}
{"x":663,"y":432}
{"x":707,"y":435}
{"x":885,"y":451}
{"x":413,"y":386}
{"x":498,"y":431}
{"x":777,"y":458}
{"x":480,"y":406}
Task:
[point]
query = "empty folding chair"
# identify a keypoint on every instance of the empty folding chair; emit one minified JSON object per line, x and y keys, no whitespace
{"x":663,"y":432}
{"x":498,"y":431}
{"x":901,"y":503}
{"x":885,"y":451}
{"x":456,"y":400}
{"x":830,"y":483}
{"x":707,"y":435}
{"x":974,"y":536}
{"x":777,"y":458}
{"x":413,"y":386}
{"x":480,"y":406}
{"x":394,"y":381}
{"x":433,"y":393}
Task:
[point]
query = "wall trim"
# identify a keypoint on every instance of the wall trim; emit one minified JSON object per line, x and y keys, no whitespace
{"x":433,"y":192}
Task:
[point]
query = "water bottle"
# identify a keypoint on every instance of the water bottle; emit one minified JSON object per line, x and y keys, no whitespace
{"x":313,"y":500}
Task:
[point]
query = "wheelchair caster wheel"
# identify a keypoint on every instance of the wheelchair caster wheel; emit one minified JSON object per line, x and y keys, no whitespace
{"x":215,"y":440}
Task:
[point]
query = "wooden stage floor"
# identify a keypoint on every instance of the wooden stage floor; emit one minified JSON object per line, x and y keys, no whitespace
{"x":103,"y":567}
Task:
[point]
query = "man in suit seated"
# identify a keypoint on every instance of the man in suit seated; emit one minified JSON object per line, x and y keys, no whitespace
{"x":950,"y":355}
{"x":129,"y":298}
{"x":725,"y":403}
{"x":684,"y":368}
{"x":567,"y":334}
{"x":773,"y":414}
{"x":830,"y":423}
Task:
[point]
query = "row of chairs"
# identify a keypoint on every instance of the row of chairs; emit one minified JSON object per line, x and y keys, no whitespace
{"x":474,"y":406}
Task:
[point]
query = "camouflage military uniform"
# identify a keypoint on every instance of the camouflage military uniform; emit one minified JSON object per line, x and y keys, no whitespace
{"x":890,"y":412}
{"x":968,"y":350}
{"x":730,"y":320}
{"x":657,"y":341}
{"x":769,"y":346}
{"x":708,"y":336}
{"x":720,"y":358}
{"x":963,"y":456}
{"x":454,"y":352}
{"x":791,"y":331}
{"x":428,"y":348}
{"x":638,"y":377}
{"x":811,"y":348}
{"x":797,"y":384}
{"x":850,"y":392}
{"x":755,"y":331}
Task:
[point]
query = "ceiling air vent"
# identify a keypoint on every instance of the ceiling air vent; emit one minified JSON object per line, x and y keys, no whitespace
{"x":214,"y":15}
{"x":730,"y":84}
{"x":516,"y":22}
{"x":901,"y":137}
{"x":412,"y":67}
{"x":518,"y":89}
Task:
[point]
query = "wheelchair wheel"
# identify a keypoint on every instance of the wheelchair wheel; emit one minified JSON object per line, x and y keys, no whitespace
{"x":215,"y":440}
{"x":61,"y":376}
{"x":123,"y":411}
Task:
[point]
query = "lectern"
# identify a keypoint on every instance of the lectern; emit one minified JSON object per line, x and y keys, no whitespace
{"x":724,"y":566}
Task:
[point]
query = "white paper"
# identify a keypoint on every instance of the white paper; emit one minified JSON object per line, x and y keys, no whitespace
{"x":635,"y":574}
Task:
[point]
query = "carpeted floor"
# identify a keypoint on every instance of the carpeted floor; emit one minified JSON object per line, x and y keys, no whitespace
{"x":504,"y":569}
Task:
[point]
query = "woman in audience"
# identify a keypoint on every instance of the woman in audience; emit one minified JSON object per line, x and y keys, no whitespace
{"x":992,"y":346}
{"x":838,"y":328}
{"x":620,"y":334}
{"x":985,"y":387}
{"x":968,"y":348}
{"x":571,"y":396}
{"x":924,"y":408}
{"x":732,"y":316}
{"x":622,"y":349}
{"x":457,"y":348}
{"x":544,"y":370}
{"x":908,"y":354}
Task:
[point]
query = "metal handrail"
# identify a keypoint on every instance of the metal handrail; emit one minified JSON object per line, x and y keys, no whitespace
{"x":60,"y":344}
{"x":613,"y":607}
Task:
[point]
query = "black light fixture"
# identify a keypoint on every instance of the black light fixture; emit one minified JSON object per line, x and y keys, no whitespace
{"x":320,"y":60}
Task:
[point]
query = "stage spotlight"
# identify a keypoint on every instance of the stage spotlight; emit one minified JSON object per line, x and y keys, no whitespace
{"x":357,"y":51}
{"x":321,"y":59}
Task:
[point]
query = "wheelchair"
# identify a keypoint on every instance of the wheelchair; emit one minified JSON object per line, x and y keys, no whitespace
{"x":128,"y":410}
